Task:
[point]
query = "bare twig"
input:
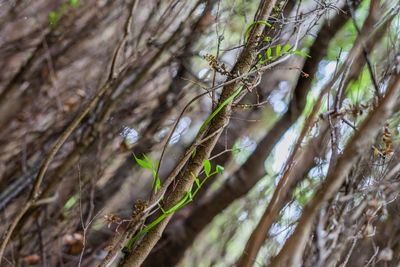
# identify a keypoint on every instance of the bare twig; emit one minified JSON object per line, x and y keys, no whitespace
{"x":292,"y":251}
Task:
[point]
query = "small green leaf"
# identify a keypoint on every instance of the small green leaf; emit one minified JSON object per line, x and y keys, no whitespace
{"x":267,"y":39}
{"x":148,"y":160}
{"x":286,"y":49}
{"x":207,"y":167}
{"x":219,"y":169}
{"x":54,"y":17}
{"x":278,"y":50}
{"x":261,"y":59}
{"x":70,"y":203}
{"x":143,"y":163}
{"x":158,"y":184}
{"x":74,"y":3}
{"x":269,"y":53}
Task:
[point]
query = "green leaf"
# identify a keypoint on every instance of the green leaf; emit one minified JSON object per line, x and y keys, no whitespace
{"x":148,"y":160}
{"x":158,"y":184}
{"x":278,"y":50}
{"x":261,"y":61}
{"x":144,"y":163}
{"x":207,"y":167}
{"x":54,"y":18}
{"x":269,"y":53}
{"x":286,"y":48}
{"x":71,"y":202}
{"x":74,"y":3}
{"x":219,"y":169}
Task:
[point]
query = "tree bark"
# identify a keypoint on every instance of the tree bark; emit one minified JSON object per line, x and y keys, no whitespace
{"x":184,"y":179}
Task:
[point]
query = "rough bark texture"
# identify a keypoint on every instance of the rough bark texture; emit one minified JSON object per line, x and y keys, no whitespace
{"x":182,"y":234}
{"x":185,"y":180}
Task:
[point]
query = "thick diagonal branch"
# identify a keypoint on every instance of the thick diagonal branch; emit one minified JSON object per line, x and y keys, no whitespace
{"x":184,"y":179}
{"x":253,"y":169}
